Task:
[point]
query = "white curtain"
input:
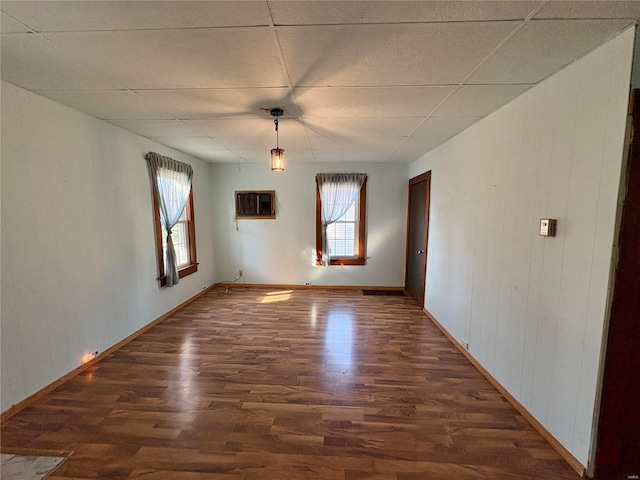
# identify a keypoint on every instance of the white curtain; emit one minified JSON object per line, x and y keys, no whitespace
{"x":171,"y":186}
{"x":338,"y":191}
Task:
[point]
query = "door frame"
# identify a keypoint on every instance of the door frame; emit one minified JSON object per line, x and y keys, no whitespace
{"x":417,"y":179}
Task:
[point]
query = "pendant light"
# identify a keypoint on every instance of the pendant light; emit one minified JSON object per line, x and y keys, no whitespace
{"x":277,"y":154}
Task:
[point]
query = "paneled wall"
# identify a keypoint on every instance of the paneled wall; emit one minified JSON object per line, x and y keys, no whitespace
{"x":281,"y":251}
{"x":78,"y":248}
{"x":533,"y":308}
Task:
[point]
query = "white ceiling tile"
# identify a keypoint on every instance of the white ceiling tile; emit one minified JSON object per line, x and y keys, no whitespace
{"x":34,"y":63}
{"x":345,"y":12}
{"x":370,"y":102}
{"x":157,"y":128}
{"x":9,"y":25}
{"x":407,"y":155}
{"x":351,"y":143}
{"x":418,"y":144}
{"x":215,"y":156}
{"x":414,"y":148}
{"x":48,"y":16}
{"x":256,"y":156}
{"x":248,"y":127}
{"x":401,"y":54}
{"x":444,"y":127}
{"x":362,"y":155}
{"x":591,"y":9}
{"x":115,"y":104}
{"x":232,"y":127}
{"x":194,"y":58}
{"x":189,"y":143}
{"x":222,"y":103}
{"x":263,"y":142}
{"x":299,"y":156}
{"x":360,"y":127}
{"x":479,"y":100}
{"x":291,"y":156}
{"x":542,"y":47}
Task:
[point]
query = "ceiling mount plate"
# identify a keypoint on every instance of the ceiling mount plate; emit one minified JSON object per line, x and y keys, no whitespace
{"x":276,"y":112}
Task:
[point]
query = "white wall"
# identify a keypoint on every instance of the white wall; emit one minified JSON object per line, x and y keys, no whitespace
{"x":281,"y":251}
{"x":78,"y":247}
{"x":533,"y":308}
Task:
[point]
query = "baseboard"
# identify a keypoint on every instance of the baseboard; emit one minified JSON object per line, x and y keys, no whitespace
{"x":11,"y":411}
{"x":303,"y":287}
{"x":564,"y":453}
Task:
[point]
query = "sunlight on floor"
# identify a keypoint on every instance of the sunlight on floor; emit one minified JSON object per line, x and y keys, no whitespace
{"x":280,"y":296}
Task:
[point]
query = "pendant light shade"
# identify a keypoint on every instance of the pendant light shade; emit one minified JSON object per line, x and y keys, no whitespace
{"x":277,"y":154}
{"x":277,"y":160}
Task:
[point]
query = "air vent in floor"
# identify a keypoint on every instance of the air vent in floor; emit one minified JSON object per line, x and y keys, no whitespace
{"x":384,"y":293}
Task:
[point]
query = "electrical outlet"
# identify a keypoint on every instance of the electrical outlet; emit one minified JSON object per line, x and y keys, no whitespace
{"x":240,"y":272}
{"x":307,"y":284}
{"x":87,"y":357}
{"x":465,"y":344}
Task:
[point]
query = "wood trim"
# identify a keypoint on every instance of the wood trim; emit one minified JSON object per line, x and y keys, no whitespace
{"x":361,"y":258}
{"x":191,"y":228}
{"x":562,"y":451}
{"x":11,"y":411}
{"x":420,"y":178}
{"x":318,"y":225}
{"x":362,"y":224}
{"x":188,"y":270}
{"x":348,"y":261}
{"x":304,"y":287}
{"x":427,"y":213}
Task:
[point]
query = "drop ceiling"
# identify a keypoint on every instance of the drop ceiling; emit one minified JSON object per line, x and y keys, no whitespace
{"x":359,"y":81}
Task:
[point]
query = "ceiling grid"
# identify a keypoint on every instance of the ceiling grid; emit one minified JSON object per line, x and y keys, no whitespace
{"x":365,"y":81}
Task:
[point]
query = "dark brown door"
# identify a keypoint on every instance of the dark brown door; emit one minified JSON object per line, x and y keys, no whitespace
{"x":618,"y":440}
{"x":417,"y":234}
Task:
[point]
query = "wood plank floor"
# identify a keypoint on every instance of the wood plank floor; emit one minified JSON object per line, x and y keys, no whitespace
{"x":303,"y":384}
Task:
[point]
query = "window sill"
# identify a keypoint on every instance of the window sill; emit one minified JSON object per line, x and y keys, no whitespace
{"x":344,"y":261}
{"x":182,"y":272}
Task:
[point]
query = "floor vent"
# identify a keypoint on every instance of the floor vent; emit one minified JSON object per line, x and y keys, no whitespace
{"x":384,"y":293}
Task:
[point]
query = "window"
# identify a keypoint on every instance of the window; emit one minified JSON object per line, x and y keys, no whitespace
{"x":342,"y":234}
{"x":345,"y":236}
{"x":171,"y":182}
{"x":184,"y":241}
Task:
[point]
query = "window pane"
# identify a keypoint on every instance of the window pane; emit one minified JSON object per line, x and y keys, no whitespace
{"x":350,"y":214}
{"x":180,"y":238}
{"x":341,"y":236}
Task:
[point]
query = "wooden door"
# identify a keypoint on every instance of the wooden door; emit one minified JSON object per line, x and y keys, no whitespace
{"x":417,"y":235}
{"x":618,"y":437}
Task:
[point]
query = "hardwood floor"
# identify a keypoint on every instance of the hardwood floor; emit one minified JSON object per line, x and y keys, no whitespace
{"x":303,"y":384}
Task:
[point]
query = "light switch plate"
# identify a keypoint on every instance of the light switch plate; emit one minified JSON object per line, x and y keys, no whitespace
{"x":548,"y":227}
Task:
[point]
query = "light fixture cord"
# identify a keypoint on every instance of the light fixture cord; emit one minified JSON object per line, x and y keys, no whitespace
{"x":276,"y":122}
